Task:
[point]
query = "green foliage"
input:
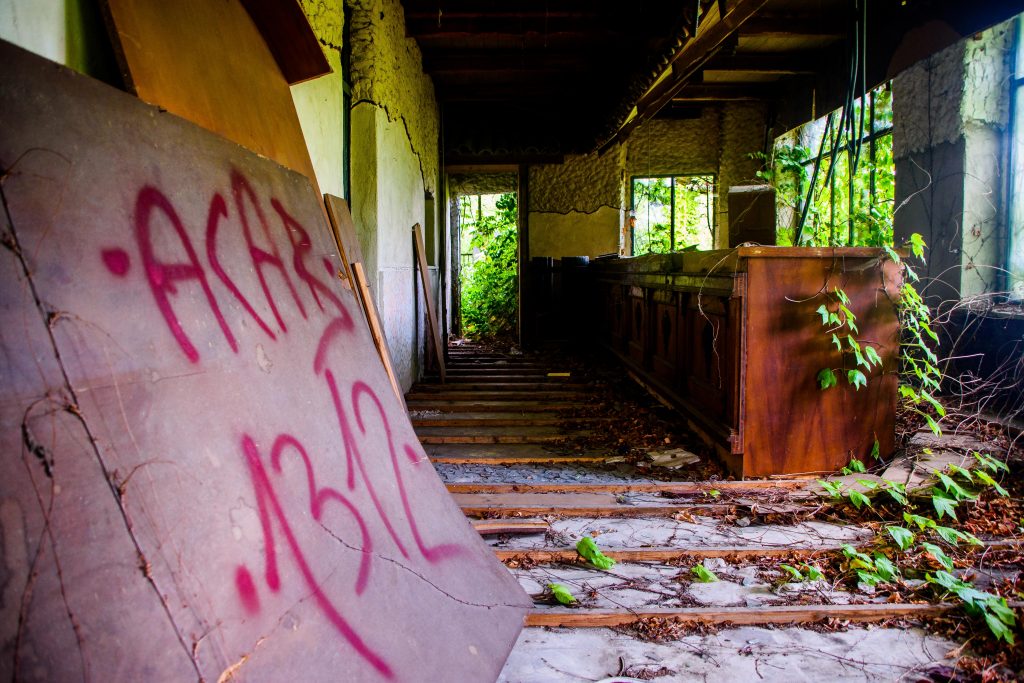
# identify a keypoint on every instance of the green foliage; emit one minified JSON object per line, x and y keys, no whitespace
{"x":998,"y":616}
{"x":489,"y":280}
{"x":806,"y":572}
{"x":671,"y":211}
{"x":904,"y":537}
{"x":562,"y":593}
{"x":870,"y":570}
{"x":702,"y":574}
{"x":589,"y":551}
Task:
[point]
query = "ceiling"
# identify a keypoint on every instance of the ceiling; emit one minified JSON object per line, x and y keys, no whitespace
{"x":528,"y":81}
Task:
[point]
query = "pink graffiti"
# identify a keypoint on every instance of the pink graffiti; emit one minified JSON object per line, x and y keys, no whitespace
{"x":361,"y":417}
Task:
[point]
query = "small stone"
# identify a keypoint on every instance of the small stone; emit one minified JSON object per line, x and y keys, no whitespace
{"x":743,"y":521}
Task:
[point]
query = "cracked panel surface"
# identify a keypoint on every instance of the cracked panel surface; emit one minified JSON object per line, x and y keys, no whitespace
{"x":231,"y":478}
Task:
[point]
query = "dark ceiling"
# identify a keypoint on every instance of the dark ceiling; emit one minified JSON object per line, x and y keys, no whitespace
{"x":523,"y":81}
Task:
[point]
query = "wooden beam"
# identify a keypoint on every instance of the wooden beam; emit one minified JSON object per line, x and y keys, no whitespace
{"x":781,"y":63}
{"x":432,"y":322}
{"x":289,"y":36}
{"x":687,"y":61}
{"x":765,"y":614}
{"x":683,"y":488}
{"x":490,"y":527}
{"x":779,"y":26}
{"x":723,"y":92}
{"x":735,"y":554}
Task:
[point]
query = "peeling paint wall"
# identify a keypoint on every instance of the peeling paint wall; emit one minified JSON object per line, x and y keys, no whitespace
{"x":950,"y":116}
{"x":579,"y":207}
{"x":394,"y":162}
{"x":320,"y":102}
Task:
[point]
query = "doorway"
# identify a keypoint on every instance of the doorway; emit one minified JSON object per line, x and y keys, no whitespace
{"x":488,"y":267}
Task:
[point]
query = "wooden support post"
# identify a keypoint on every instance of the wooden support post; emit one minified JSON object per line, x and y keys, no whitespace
{"x":352,"y":259}
{"x":435,"y":332}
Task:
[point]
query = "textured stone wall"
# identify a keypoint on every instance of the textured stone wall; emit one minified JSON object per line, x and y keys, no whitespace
{"x":581,"y":205}
{"x":320,"y":102}
{"x":950,"y":116}
{"x":482,"y":183}
{"x":387,"y":71}
{"x":743,"y":132}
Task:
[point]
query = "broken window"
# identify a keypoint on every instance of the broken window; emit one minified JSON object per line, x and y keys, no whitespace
{"x":849,"y":160}
{"x":673,"y":213}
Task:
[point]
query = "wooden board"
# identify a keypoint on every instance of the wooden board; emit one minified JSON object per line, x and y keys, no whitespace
{"x":432,"y":324}
{"x":289,"y":36}
{"x":742,"y":554}
{"x":764,"y":614}
{"x":207,"y":62}
{"x":207,"y":474}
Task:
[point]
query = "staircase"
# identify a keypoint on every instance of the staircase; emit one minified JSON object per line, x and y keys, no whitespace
{"x":541,"y":452}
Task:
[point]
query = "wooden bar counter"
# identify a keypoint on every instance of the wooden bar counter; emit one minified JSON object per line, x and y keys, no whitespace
{"x":734,"y":340}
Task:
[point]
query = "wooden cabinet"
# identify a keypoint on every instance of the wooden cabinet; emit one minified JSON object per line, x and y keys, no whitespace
{"x":733,"y":339}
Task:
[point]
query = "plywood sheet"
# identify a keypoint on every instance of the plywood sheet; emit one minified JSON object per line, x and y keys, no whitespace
{"x":207,"y":62}
{"x":208,"y":475}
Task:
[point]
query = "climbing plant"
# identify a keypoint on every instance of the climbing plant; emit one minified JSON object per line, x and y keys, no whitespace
{"x":488,"y":276}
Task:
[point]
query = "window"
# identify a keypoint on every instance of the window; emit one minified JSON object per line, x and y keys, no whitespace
{"x":1015,"y":255}
{"x":844,"y":208}
{"x":673,"y":213}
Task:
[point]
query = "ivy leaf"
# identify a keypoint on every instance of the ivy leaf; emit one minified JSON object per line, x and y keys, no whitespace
{"x":958,"y":492}
{"x":857,"y":466}
{"x":872,"y":355}
{"x":991,"y":463}
{"x":876,"y":450}
{"x":885,"y":568}
{"x":998,"y":628}
{"x":813,"y":573}
{"x":904,"y":537}
{"x":936,"y":552}
{"x":794,"y":572}
{"x":868,"y":484}
{"x":944,"y":505}
{"x":984,"y":477}
{"x":944,"y":579}
{"x":999,"y":607}
{"x":933,"y":425}
{"x":822,"y":310}
{"x":703,"y":574}
{"x":950,"y":536}
{"x":588,"y":549}
{"x":966,"y":474}
{"x":917,"y":245}
{"x":826,"y":379}
{"x":837,"y":342}
{"x":921,"y":522}
{"x":841,"y":295}
{"x":870,"y":578}
{"x":561,"y":593}
{"x":856,"y":378}
{"x":859,"y":499}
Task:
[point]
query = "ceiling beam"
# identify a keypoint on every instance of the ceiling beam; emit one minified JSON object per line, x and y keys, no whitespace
{"x":781,"y":63}
{"x":687,"y":61}
{"x":487,"y":24}
{"x":779,"y":26}
{"x":710,"y":93}
{"x":498,"y":60}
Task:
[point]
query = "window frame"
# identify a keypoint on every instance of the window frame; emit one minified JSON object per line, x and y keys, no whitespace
{"x":713,"y":227}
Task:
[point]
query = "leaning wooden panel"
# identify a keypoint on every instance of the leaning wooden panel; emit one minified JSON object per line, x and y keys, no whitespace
{"x":236,"y":492}
{"x":791,"y":425}
{"x":207,"y":62}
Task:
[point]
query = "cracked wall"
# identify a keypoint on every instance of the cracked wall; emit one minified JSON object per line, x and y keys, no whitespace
{"x":394,"y":162}
{"x":950,"y":118}
{"x":579,"y":207}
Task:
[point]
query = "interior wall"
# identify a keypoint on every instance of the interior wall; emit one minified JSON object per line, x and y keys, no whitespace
{"x":579,"y":208}
{"x":320,"y":102}
{"x":950,"y":118}
{"x":394,"y":163}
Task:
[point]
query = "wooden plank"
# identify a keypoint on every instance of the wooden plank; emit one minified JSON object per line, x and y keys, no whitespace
{"x":191,"y":389}
{"x":682,"y":488}
{"x":575,"y":505}
{"x":290,"y":38}
{"x":547,"y":386}
{"x":745,"y":554}
{"x":765,"y":614}
{"x":525,"y":421}
{"x":458,"y":406}
{"x":380,"y":342}
{"x":471,"y":397}
{"x":344,"y":230}
{"x":432,"y":324}
{"x":207,"y":62}
{"x":487,"y":527}
{"x":495,"y":439}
